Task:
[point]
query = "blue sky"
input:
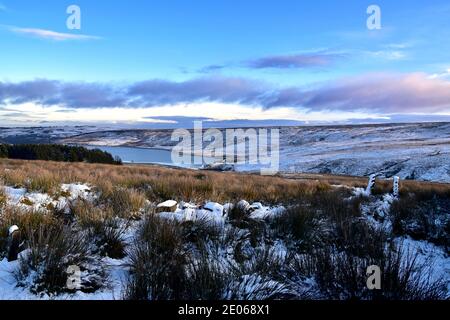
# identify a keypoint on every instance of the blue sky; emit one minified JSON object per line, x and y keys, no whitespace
{"x":143,"y":61}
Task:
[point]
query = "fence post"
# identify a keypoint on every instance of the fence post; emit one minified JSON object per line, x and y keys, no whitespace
{"x":13,"y":243}
{"x":370,"y":184}
{"x":396,"y":186}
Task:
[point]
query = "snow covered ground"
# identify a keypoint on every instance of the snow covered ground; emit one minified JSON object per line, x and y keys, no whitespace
{"x":410,"y":151}
{"x":375,"y":210}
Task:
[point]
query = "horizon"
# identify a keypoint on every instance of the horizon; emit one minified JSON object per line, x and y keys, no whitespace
{"x":149,"y":65}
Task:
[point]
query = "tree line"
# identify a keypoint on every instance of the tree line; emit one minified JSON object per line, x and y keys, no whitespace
{"x":56,"y":152}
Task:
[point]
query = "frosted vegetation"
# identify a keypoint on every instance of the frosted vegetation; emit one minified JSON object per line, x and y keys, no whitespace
{"x":142,"y":232}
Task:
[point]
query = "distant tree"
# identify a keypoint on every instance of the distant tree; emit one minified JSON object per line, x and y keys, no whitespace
{"x":55,"y":152}
{"x":3,"y":151}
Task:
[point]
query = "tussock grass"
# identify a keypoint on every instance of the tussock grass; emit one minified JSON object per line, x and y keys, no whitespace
{"x":3,"y":197}
{"x":322,"y":235}
{"x":160,"y":183}
{"x":125,"y":202}
{"x":157,"y":261}
{"x":341,"y":275}
{"x":301,"y":223}
{"x":28,"y":220}
{"x":52,"y":250}
{"x":104,"y":228}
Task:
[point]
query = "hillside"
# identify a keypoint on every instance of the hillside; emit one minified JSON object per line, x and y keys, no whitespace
{"x":147,"y":232}
{"x":411,"y":151}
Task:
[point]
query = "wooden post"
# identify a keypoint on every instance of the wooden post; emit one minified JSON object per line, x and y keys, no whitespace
{"x":370,"y":184}
{"x":396,"y":186}
{"x":13,"y":243}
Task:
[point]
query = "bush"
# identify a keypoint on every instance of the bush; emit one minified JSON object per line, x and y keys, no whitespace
{"x":126,"y":203}
{"x":105,"y":230}
{"x":300,"y":223}
{"x":207,"y":278}
{"x":422,"y":219}
{"x":28,"y":221}
{"x":341,"y":275}
{"x":157,"y":262}
{"x":52,"y":250}
{"x":3,"y":198}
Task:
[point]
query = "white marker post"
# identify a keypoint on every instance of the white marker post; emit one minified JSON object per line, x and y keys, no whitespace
{"x":370,"y":184}
{"x":396,"y":186}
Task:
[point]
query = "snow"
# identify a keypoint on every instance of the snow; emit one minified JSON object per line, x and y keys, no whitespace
{"x":250,"y":286}
{"x":13,"y":229}
{"x":431,"y":256}
{"x":167,"y":204}
{"x":214,"y":207}
{"x":37,"y":201}
{"x":77,"y":190}
{"x":14,"y":195}
{"x":413,"y":151}
{"x":117,"y":272}
{"x":266,"y":213}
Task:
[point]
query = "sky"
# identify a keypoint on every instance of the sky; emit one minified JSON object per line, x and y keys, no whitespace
{"x":155,"y":63}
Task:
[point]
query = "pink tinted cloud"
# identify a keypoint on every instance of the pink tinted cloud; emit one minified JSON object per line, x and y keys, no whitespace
{"x":388,"y":93}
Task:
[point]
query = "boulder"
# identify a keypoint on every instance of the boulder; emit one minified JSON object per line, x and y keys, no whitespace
{"x":214,"y":207}
{"x":167,"y":206}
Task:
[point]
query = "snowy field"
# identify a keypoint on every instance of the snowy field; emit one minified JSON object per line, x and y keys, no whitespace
{"x":411,"y":151}
{"x":115,"y":272}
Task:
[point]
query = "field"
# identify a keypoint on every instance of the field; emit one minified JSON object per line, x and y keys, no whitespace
{"x":230,"y":235}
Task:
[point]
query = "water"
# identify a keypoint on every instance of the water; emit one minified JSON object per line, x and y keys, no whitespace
{"x":142,"y":155}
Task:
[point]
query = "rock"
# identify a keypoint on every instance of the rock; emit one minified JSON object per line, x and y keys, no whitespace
{"x":243,"y":205}
{"x":255,"y":206}
{"x":167,"y":206}
{"x":218,"y":166}
{"x":214,"y":207}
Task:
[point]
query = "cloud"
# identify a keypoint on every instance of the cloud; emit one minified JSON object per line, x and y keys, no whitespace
{"x":387,"y":93}
{"x":388,"y":54}
{"x":52,"y":35}
{"x":442,"y":75}
{"x":288,"y":61}
{"x":295,"y":61}
{"x":212,"y":68}
{"x":382,"y":93}
{"x":68,"y":94}
{"x":218,"y":89}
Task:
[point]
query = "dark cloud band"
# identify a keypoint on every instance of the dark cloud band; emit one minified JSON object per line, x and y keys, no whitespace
{"x":388,"y":93}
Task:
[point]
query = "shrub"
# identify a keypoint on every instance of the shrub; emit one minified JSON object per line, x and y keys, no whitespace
{"x":3,"y":197}
{"x":299,"y":223}
{"x":422,"y":219}
{"x":126,"y":203}
{"x":52,"y":250}
{"x":207,"y":278}
{"x":157,"y":262}
{"x":28,"y":222}
{"x":103,"y":228}
{"x":43,"y":182}
{"x":341,"y":275}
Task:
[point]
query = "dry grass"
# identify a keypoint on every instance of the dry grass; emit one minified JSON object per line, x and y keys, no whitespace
{"x":158,"y":183}
{"x":180,"y":260}
{"x":29,"y":221}
{"x":3,"y":197}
